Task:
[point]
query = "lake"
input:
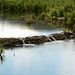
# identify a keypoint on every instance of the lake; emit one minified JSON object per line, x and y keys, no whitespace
{"x":54,"y":58}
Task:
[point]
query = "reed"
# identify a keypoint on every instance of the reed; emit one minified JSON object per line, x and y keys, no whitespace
{"x":1,"y":50}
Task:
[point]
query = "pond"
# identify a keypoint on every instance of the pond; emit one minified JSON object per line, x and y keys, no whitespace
{"x":54,"y":58}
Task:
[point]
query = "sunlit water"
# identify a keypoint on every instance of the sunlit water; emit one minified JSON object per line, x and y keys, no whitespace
{"x":10,"y":29}
{"x":55,"y":58}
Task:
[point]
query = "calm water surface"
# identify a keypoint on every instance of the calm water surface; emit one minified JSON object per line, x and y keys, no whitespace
{"x":12,"y":29}
{"x":55,"y":58}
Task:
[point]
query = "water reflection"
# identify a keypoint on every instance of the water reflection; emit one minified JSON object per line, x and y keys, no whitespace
{"x":2,"y":58}
{"x":11,"y":27}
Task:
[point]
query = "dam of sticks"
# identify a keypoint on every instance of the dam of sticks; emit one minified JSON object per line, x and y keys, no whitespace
{"x":35,"y":40}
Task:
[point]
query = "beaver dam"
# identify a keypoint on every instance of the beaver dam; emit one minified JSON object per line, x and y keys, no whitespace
{"x":35,"y":40}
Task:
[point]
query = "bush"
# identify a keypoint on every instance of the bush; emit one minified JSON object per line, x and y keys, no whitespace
{"x":68,"y":8}
{"x":43,"y":15}
{"x":54,"y":12}
{"x":70,"y":21}
{"x":61,"y":12}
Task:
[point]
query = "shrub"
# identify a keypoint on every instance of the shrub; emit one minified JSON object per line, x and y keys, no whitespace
{"x":68,"y":8}
{"x":70,"y":21}
{"x":54,"y":12}
{"x":61,"y":12}
{"x":43,"y":15}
